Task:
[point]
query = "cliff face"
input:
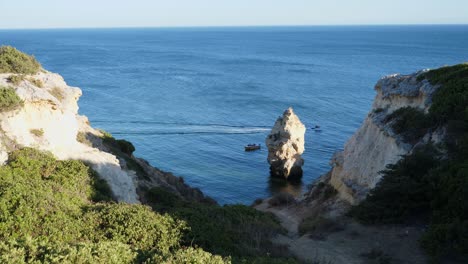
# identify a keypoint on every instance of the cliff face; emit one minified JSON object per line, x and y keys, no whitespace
{"x":285,"y":146}
{"x":355,"y":170}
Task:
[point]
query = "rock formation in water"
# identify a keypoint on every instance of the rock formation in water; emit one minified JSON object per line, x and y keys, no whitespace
{"x":285,"y":146}
{"x":355,"y":170}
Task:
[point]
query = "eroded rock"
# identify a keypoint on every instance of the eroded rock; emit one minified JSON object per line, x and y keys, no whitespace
{"x":285,"y":146}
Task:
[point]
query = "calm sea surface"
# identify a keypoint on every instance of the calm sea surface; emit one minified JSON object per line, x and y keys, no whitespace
{"x":190,"y":99}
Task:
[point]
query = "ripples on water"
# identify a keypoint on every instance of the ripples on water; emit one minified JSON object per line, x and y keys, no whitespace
{"x":190,"y":99}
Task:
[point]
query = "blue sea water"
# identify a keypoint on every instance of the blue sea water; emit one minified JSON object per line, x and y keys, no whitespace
{"x":191,"y":98}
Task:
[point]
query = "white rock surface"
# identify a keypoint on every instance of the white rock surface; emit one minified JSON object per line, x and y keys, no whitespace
{"x":285,"y":146}
{"x":356,"y":169}
{"x":54,"y":110}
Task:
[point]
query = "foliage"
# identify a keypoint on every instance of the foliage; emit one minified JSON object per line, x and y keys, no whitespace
{"x":15,"y":61}
{"x":420,"y":183}
{"x":318,"y":226}
{"x":282,"y":199}
{"x":9,"y":100}
{"x":48,"y":214}
{"x":231,"y":230}
{"x":405,"y":190}
{"x":117,"y":146}
{"x":410,"y":122}
{"x":16,"y":79}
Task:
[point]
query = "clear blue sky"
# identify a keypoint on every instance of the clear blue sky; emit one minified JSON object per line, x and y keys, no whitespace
{"x":169,"y":13}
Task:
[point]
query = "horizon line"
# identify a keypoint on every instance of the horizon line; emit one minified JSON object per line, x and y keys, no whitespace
{"x":237,"y":26}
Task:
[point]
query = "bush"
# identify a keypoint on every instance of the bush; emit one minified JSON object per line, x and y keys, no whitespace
{"x":16,"y":79}
{"x":48,"y":215}
{"x":9,"y":100}
{"x":318,"y":226}
{"x":232,"y":230}
{"x":410,"y":122}
{"x":282,"y":199}
{"x":405,"y":190}
{"x":15,"y":61}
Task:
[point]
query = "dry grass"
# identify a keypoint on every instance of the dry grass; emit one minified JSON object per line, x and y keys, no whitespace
{"x":36,"y":82}
{"x":57,"y":93}
{"x":37,"y":132}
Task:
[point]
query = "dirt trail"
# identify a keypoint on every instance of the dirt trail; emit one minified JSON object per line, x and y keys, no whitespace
{"x":354,"y":244}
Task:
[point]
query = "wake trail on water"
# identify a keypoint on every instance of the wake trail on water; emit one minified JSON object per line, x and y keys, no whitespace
{"x":184,"y":128}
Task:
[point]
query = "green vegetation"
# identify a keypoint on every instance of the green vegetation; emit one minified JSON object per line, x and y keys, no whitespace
{"x":117,"y":145}
{"x":405,"y":190}
{"x":411,"y":123}
{"x":15,"y":61}
{"x":60,"y":212}
{"x":37,"y":132}
{"x":421,"y":184}
{"x":16,"y":79}
{"x":231,"y":230}
{"x":9,"y":100}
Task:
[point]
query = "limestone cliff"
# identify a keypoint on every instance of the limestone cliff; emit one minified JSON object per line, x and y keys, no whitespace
{"x":355,"y":170}
{"x":285,"y":146}
{"x":49,"y":120}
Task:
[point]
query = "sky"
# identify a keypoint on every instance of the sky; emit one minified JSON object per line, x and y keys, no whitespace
{"x":193,"y":13}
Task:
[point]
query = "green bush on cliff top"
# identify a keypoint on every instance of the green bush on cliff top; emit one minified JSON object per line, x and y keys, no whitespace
{"x":420,"y":184}
{"x":15,"y":61}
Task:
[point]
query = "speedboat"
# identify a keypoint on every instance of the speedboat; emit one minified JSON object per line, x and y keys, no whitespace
{"x":252,"y":147}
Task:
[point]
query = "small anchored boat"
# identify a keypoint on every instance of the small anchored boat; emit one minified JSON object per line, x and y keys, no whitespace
{"x":252,"y":147}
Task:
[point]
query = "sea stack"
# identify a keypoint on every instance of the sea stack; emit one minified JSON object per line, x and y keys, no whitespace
{"x":285,"y":146}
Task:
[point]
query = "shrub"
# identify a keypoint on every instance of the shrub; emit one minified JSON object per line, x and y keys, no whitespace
{"x":118,"y":146}
{"x":15,"y":61}
{"x":410,"y":122}
{"x":37,"y":132}
{"x":282,"y":199}
{"x":48,"y":215}
{"x":231,"y":230}
{"x":9,"y":100}
{"x":16,"y":79}
{"x":405,"y":190}
{"x":36,"y":82}
{"x":318,"y":226}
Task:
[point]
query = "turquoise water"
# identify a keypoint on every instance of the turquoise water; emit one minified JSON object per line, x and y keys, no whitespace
{"x":190,"y":99}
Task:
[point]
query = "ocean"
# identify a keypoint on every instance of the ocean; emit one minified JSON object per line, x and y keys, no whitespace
{"x":191,"y":98}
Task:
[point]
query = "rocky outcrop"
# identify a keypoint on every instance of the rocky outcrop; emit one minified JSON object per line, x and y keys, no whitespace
{"x":285,"y":146}
{"x":355,"y":170}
